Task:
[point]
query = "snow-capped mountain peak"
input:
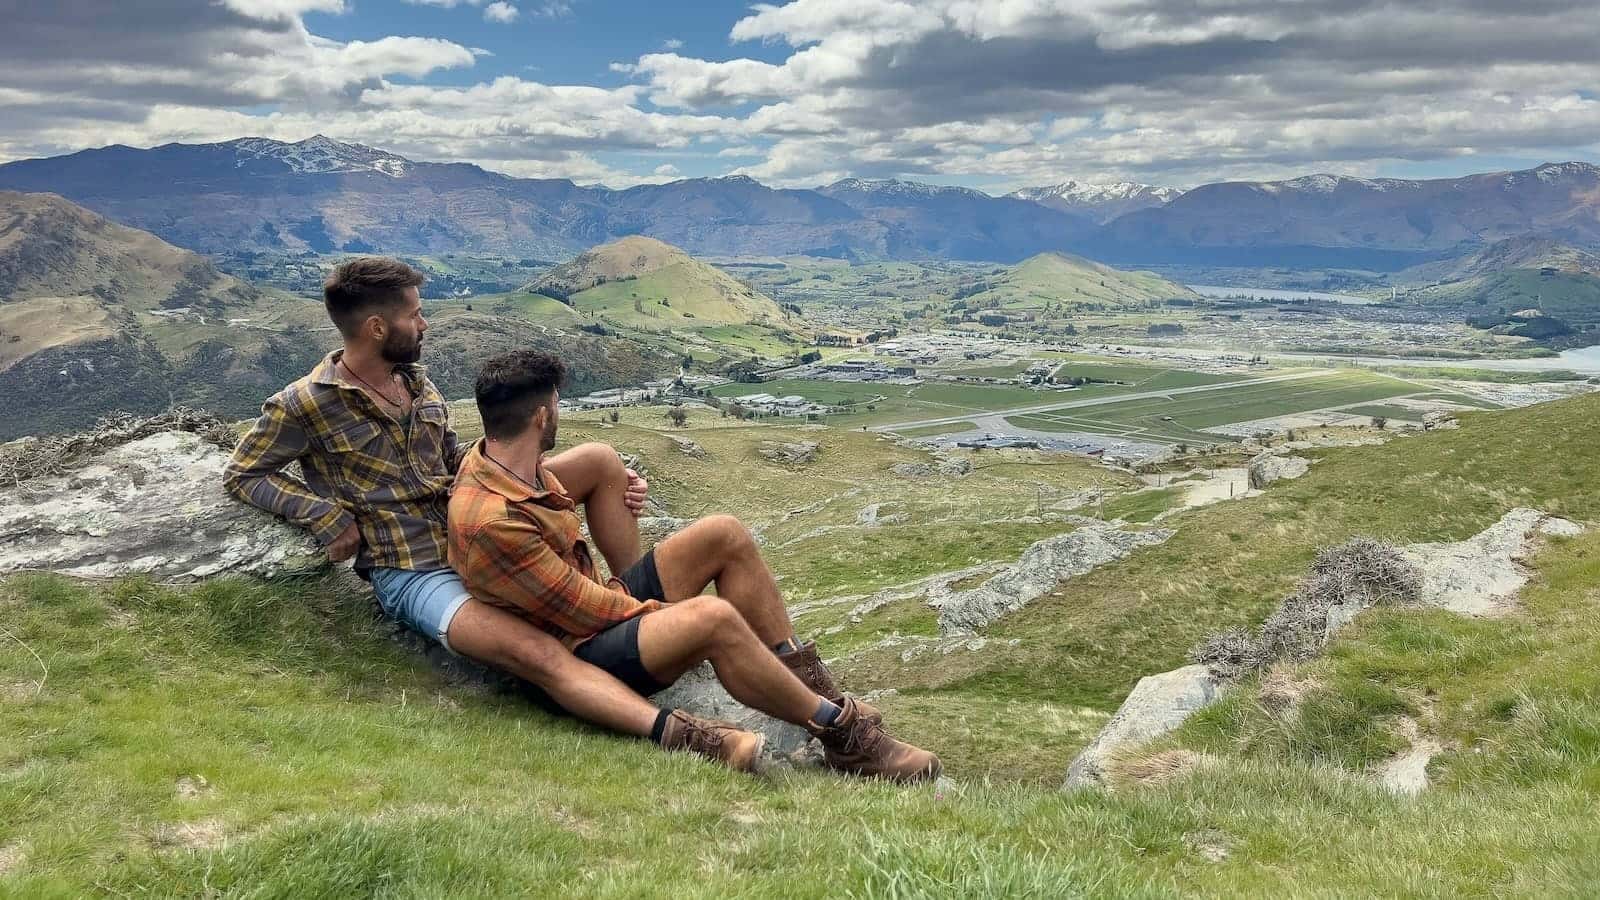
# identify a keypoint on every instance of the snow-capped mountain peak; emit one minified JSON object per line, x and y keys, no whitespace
{"x":891,"y":187}
{"x":320,"y":155}
{"x":1102,"y":202}
{"x":1084,"y":193}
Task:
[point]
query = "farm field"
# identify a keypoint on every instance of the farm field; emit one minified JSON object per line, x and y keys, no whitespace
{"x":1184,"y":418}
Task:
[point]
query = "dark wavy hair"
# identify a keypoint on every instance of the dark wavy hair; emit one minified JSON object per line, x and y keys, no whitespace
{"x":512,"y":386}
{"x":364,"y":285}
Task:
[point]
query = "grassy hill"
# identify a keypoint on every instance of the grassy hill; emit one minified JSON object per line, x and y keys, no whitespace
{"x":1561,"y":280}
{"x":640,"y":284}
{"x":234,"y":737}
{"x":1062,"y":280}
{"x":96,"y":317}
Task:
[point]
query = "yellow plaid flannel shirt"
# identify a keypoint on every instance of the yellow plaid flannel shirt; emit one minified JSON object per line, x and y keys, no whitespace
{"x":358,"y":463}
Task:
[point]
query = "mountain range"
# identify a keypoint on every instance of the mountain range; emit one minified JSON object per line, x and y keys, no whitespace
{"x":327,"y":196}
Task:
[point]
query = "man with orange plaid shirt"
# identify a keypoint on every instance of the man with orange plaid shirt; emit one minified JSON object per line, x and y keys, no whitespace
{"x":515,"y":540}
{"x":377,"y":455}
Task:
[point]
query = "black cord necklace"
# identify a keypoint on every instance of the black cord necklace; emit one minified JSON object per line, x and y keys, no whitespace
{"x":372,"y":387}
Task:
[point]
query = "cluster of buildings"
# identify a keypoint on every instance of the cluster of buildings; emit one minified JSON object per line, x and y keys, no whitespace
{"x":792,"y":405}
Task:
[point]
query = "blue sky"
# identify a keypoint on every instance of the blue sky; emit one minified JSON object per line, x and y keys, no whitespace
{"x":995,"y":95}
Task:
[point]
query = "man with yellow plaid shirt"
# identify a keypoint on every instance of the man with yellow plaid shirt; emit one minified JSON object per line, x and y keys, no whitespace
{"x":377,"y":457}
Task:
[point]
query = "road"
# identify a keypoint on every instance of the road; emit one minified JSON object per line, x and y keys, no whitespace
{"x":1097,"y":401}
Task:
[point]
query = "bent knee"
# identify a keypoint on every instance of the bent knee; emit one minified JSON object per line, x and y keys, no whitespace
{"x":603,"y":459}
{"x":714,"y":615}
{"x":729,"y":532}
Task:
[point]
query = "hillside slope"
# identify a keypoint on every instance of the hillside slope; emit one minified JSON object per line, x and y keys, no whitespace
{"x":96,"y":317}
{"x":1547,"y":274}
{"x":270,"y":738}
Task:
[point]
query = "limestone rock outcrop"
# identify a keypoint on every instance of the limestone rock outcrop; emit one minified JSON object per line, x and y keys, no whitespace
{"x":154,"y":506}
{"x":1158,"y":704}
{"x":1267,"y":468}
{"x":789,"y":454}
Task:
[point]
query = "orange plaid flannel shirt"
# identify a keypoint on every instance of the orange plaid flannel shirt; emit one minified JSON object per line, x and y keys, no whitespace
{"x":519,"y":548}
{"x":358,"y":464}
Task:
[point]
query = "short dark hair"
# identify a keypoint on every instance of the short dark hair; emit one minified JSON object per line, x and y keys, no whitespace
{"x":363,"y":285}
{"x":512,"y":386}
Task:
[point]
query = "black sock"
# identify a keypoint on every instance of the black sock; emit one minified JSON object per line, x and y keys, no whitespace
{"x":660,"y":725}
{"x":827,"y":712}
{"x":787,"y":645}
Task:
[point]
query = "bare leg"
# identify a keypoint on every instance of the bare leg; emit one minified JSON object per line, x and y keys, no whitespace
{"x":700,"y":628}
{"x":500,"y":639}
{"x":594,"y":476}
{"x":720,"y":550}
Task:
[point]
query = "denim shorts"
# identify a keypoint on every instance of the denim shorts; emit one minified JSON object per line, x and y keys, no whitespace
{"x":424,"y":602}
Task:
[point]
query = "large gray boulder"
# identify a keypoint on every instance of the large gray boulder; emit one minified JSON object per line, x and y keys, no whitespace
{"x":154,"y":506}
{"x":1483,"y":575}
{"x":1157,"y":705}
{"x":699,"y":692}
{"x":1267,"y":468}
{"x":789,"y":453}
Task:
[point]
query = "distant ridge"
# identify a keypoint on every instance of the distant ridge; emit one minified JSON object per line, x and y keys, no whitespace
{"x":327,"y":196}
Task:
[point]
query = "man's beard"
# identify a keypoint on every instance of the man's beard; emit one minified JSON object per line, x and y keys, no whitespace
{"x":549,"y":442}
{"x":399,"y":349}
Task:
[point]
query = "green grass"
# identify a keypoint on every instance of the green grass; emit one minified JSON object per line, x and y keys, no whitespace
{"x":335,"y":763}
{"x":336,"y":766}
{"x":894,"y":554}
{"x":1142,"y":506}
{"x":1143,"y":377}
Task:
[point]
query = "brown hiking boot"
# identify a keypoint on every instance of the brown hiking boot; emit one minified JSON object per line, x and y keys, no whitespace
{"x":808,"y":667}
{"x":714,"y":739}
{"x":856,"y":743}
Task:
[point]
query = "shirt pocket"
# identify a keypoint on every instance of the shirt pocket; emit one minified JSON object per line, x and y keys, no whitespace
{"x":427,"y":438}
{"x":359,"y":457}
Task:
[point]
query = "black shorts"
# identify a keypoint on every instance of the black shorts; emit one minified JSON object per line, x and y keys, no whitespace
{"x":616,"y":649}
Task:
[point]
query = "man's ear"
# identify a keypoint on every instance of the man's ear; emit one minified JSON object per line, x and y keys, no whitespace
{"x":375,"y":327}
{"x":541,"y":418}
